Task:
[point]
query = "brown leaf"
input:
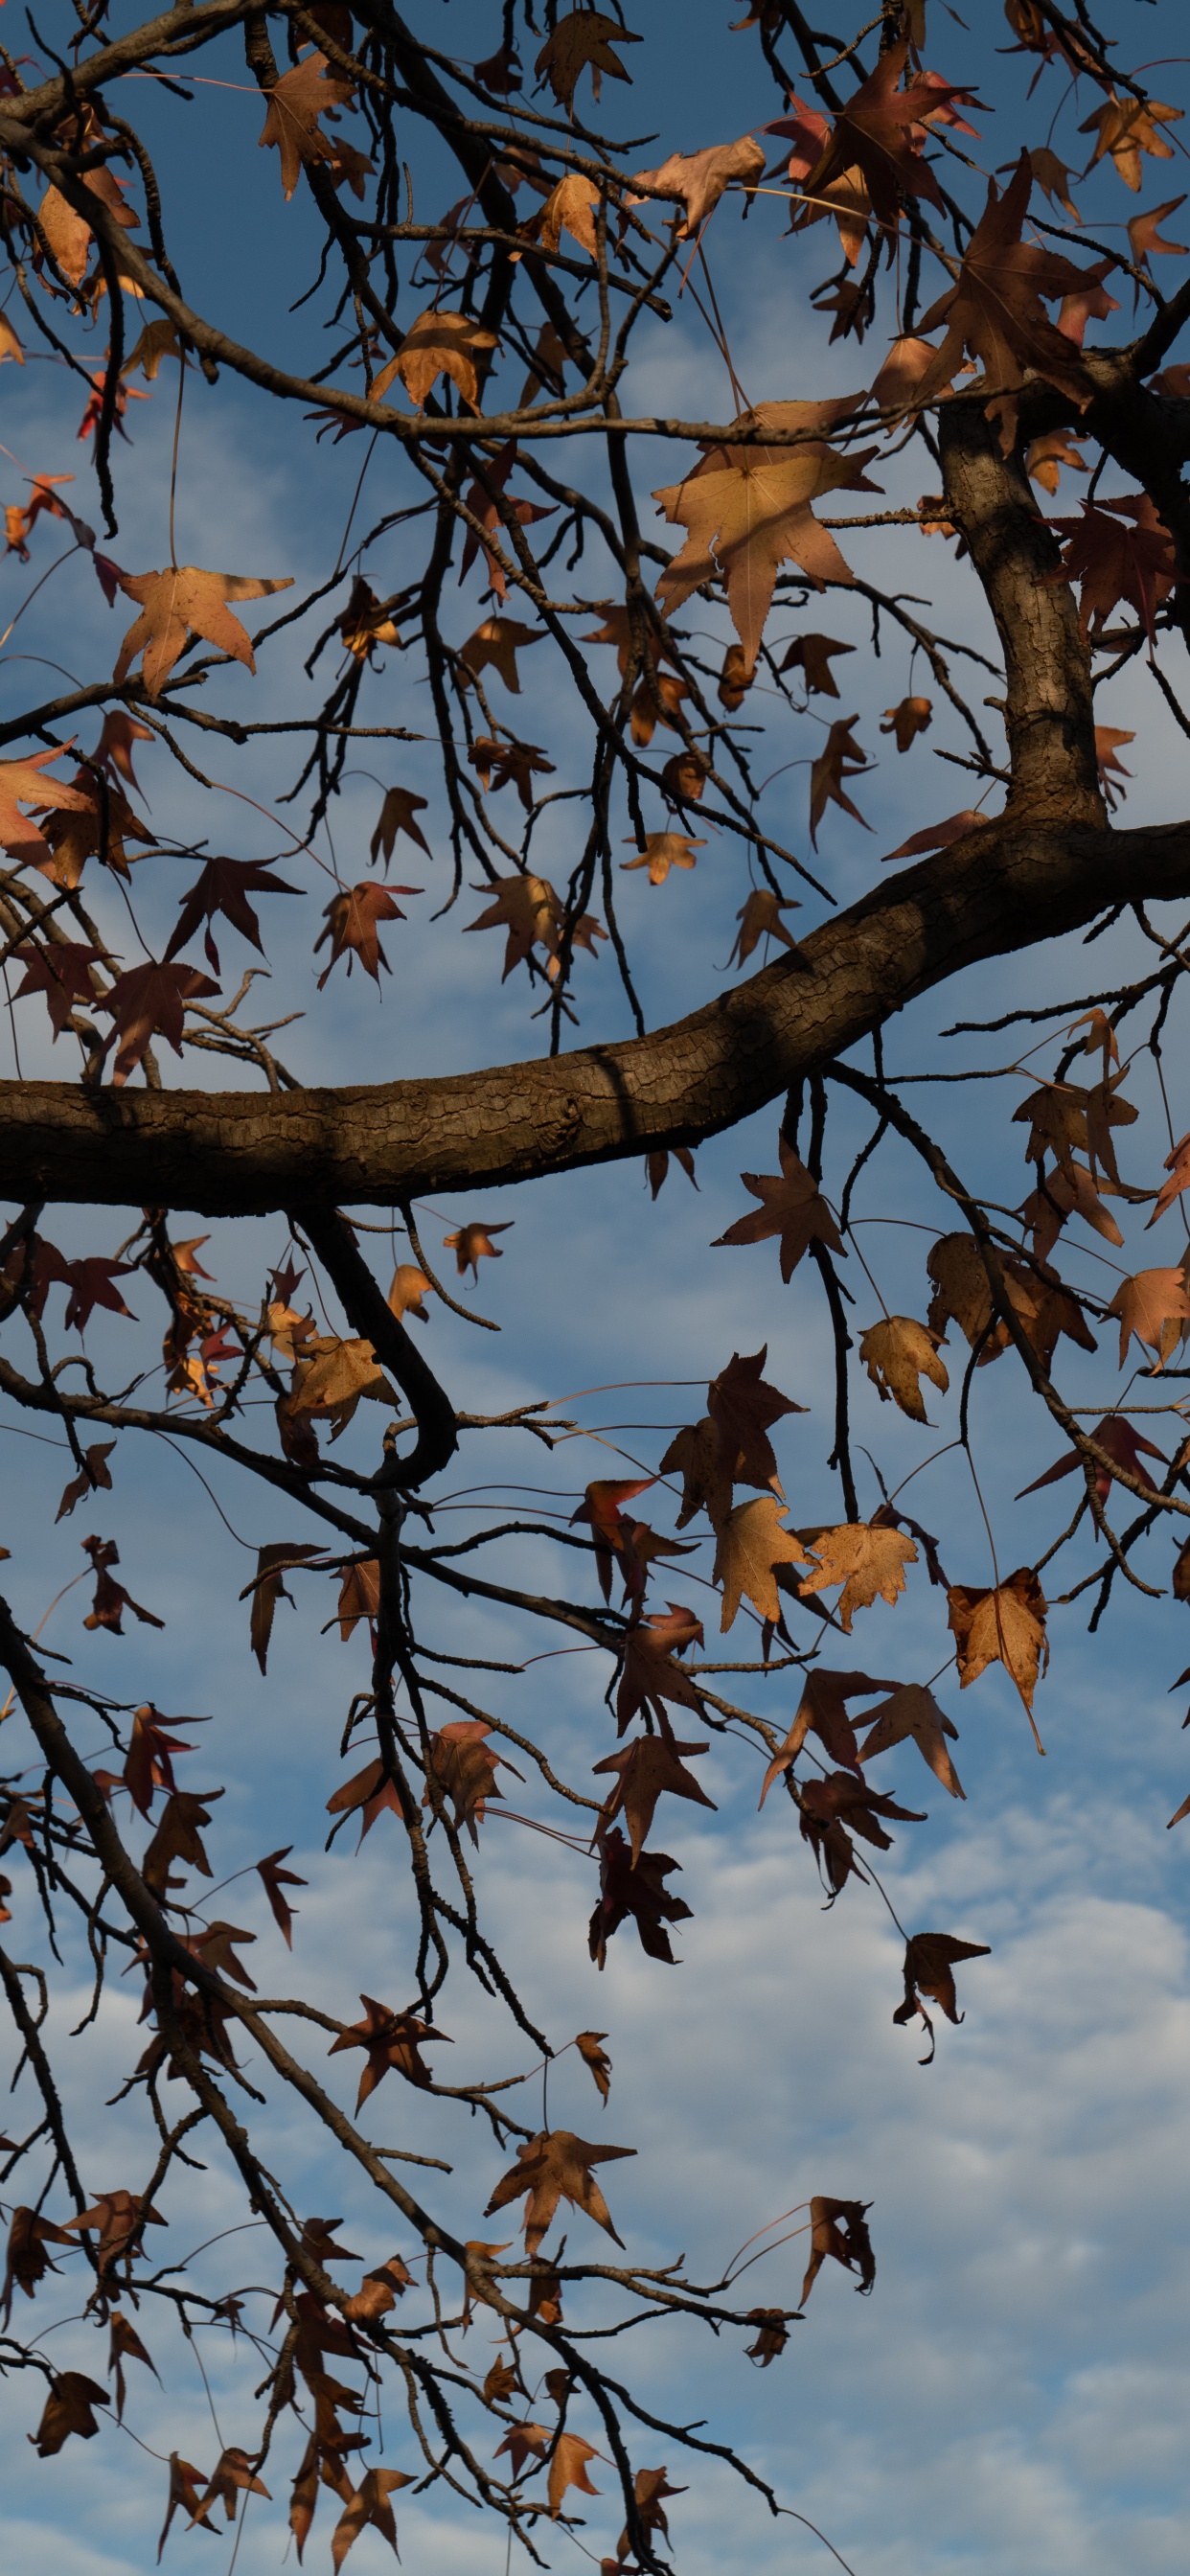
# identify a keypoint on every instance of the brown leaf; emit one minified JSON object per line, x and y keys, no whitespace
{"x":772,"y":2326}
{"x":398,"y":813}
{"x":906,"y":720}
{"x":365,"y":623}
{"x":750,"y":1545}
{"x":184,"y":2483}
{"x":639,"y":1893}
{"x":650,"y":1676}
{"x":995,"y":311}
{"x":880,"y":134}
{"x":568,"y":2468}
{"x":23,"y":781}
{"x":510,"y":764}
{"x":233,"y":2472}
{"x":267,"y":1588}
{"x":867,"y":1560}
{"x":646,"y":1769}
{"x":179,"y":1837}
{"x":524,"y":2442}
{"x":939,"y":836}
{"x":95,"y":1473}
{"x":760,"y":918}
{"x":930,"y":1960}
{"x":553,"y":2166}
{"x":1115,"y":1434}
{"x":822,"y":1711}
{"x":180,"y":602}
{"x":464,"y":1767}
{"x":812,"y":655}
{"x":592,"y":2055}
{"x":27,"y":2261}
{"x":792,"y":1206}
{"x":110,"y":1599}
{"x":125,"y":2345}
{"x":697,"y":179}
{"x":389,"y":2040}
{"x":839,"y":759}
{"x":663,"y":851}
{"x":336,"y":1377}
{"x":1126,"y":128}
{"x":291,"y":126}
{"x":746,"y":510}
{"x":742,"y":1408}
{"x":1154,"y":1305}
{"x":696,"y":1455}
{"x":569,"y":208}
{"x":496,"y":643}
{"x":913,"y":1712}
{"x":274,"y":1879}
{"x":898,"y":1353}
{"x":1005,"y":1624}
{"x":438,"y":344}
{"x":68,"y":2409}
{"x":352,"y":918}
{"x":838,"y":2229}
{"x":1119,"y":550}
{"x":1045,"y":457}
{"x":581,"y":43}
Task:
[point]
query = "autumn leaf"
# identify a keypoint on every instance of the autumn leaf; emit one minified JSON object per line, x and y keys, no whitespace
{"x":663,"y":851}
{"x":1002,"y":1623}
{"x":1154,"y":1305}
{"x":1116,"y":1435}
{"x":510,"y":764}
{"x":897,"y":1354}
{"x":274,"y":1880}
{"x":840,"y":758}
{"x":638,"y":1893}
{"x":995,"y":311}
{"x":336,"y":1377}
{"x":650,"y":1678}
{"x":696,"y":1455}
{"x":398,"y":813}
{"x":1107,"y":742}
{"x":147,"y":1765}
{"x":750,"y":1545}
{"x":645,"y":1770}
{"x":233,"y":2473}
{"x":875,"y":134}
{"x":365,"y":623}
{"x":472,"y":1243}
{"x":352,"y":918}
{"x":568,"y":2467}
{"x":913,"y":1712}
{"x":792,"y":1206}
{"x":1053,"y":178}
{"x":772,"y":2334}
{"x":438,"y":344}
{"x":464,"y":1766}
{"x":409,"y":1286}
{"x":570,"y":207}
{"x":181,"y":602}
{"x":296,"y":102}
{"x":812,"y":655}
{"x":369,"y":1793}
{"x":495,"y":644}
{"x":524,"y":2442}
{"x":68,"y":2409}
{"x":596,"y":2058}
{"x":1126,"y":128}
{"x":911,"y":717}
{"x":822,"y":1711}
{"x":697,"y":179}
{"x":553,"y":2166}
{"x":600,"y":1509}
{"x":747,"y":511}
{"x":743,"y":1408}
{"x":267,"y":1588}
{"x":930,"y":1962}
{"x":581,"y":43}
{"x":1114,"y":560}
{"x":390,"y":2040}
{"x":1045,"y":457}
{"x":23,"y":782}
{"x":1177,"y":1165}
{"x":938,"y":836}
{"x":894,"y":388}
{"x":1145,"y":239}
{"x":868,"y":1561}
{"x":839,"y":2231}
{"x":529,"y":910}
{"x":179,"y":1837}
{"x":760,"y":918}
{"x":27,"y":2261}
{"x":224,"y":886}
{"x":111,"y":1599}
{"x":125,"y":2345}
{"x":369,"y":2507}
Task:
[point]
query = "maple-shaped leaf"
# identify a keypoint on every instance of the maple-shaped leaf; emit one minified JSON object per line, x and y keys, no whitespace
{"x":874,"y":135}
{"x":792,"y":1206}
{"x":495,"y":644}
{"x":600,"y":1509}
{"x":570,"y":207}
{"x":930,"y":1962}
{"x":582,"y":42}
{"x":388,"y":2039}
{"x":352,"y":926}
{"x":1145,"y":238}
{"x":27,"y":2261}
{"x":524,"y":2442}
{"x":224,"y":886}
{"x":822,"y":1711}
{"x":147,"y":1764}
{"x":1067,"y":1191}
{"x":274,"y":1880}
{"x":631,"y":630}
{"x":1107,"y":742}
{"x":646,"y":1769}
{"x":696,"y":1455}
{"x":380,"y":2290}
{"x":179,"y":1837}
{"x":995,"y":311}
{"x":125,"y":2345}
{"x":1053,"y":178}
{"x":697,"y":179}
{"x":528,"y":908}
{"x":464,"y":1766}
{"x":568,"y":2467}
{"x":510,"y":764}
{"x":906,"y":720}
{"x":894,"y":387}
{"x":938,"y":836}
{"x":184,"y":2483}
{"x":838,"y":2230}
{"x":1177,"y":1165}
{"x":1045,"y":457}
{"x":650,"y":1677}
{"x":963,"y":1295}
{"x":1154,"y":1305}
{"x":94,"y":1473}
{"x":638,"y":1893}
{"x":839,"y":759}
{"x":438,"y":344}
{"x":553,"y":2166}
{"x":1001,"y":1623}
{"x":594,"y":2056}
{"x":180,"y":602}
{"x":913,"y":1712}
{"x":868,"y":1561}
{"x":23,"y":781}
{"x":118,"y":2218}
{"x":812,"y":655}
{"x":111,"y":1599}
{"x":334,"y":1380}
{"x":369,"y":1793}
{"x":68,"y":2409}
{"x":472,"y":1243}
{"x":62,"y":973}
{"x":750,"y":1545}
{"x":398,"y":813}
{"x":657,"y":699}
{"x":291,"y":126}
{"x":743,"y":1407}
{"x":366,"y":623}
{"x":1126,"y":128}
{"x":267,"y":1588}
{"x":747,"y":511}
{"x":897,"y":1354}
{"x":663,"y":851}
{"x":147,"y":1002}
{"x":760,"y":918}
{"x":233,"y":2474}
{"x":1127,"y":556}
{"x":1117,"y":1436}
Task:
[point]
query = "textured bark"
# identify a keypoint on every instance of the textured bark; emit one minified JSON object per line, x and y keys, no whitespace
{"x":246,"y":1153}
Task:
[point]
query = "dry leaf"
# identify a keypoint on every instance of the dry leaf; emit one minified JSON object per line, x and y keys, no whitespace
{"x":697,"y":179}
{"x":930,"y":1961}
{"x":596,"y":2057}
{"x":747,"y":511}
{"x":291,"y":126}
{"x":750,"y":1545}
{"x":553,"y":2166}
{"x":898,"y":1353}
{"x":663,"y":851}
{"x":1004,"y":1624}
{"x":581,"y":43}
{"x":639,"y":1893}
{"x":760,"y":918}
{"x":1154,"y":1305}
{"x":352,"y":918}
{"x":867,"y":1560}
{"x":646,"y":1769}
{"x":911,"y":717}
{"x":838,"y":2229}
{"x":792,"y":1206}
{"x":568,"y":2468}
{"x":180,"y":602}
{"x":914,"y":1712}
{"x":438,"y":344}
{"x":472,"y":1244}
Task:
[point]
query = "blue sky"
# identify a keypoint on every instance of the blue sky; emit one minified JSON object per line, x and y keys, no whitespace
{"x":1013,"y":2395}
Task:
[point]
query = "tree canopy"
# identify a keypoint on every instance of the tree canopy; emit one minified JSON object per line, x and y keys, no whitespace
{"x":452,"y":288}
